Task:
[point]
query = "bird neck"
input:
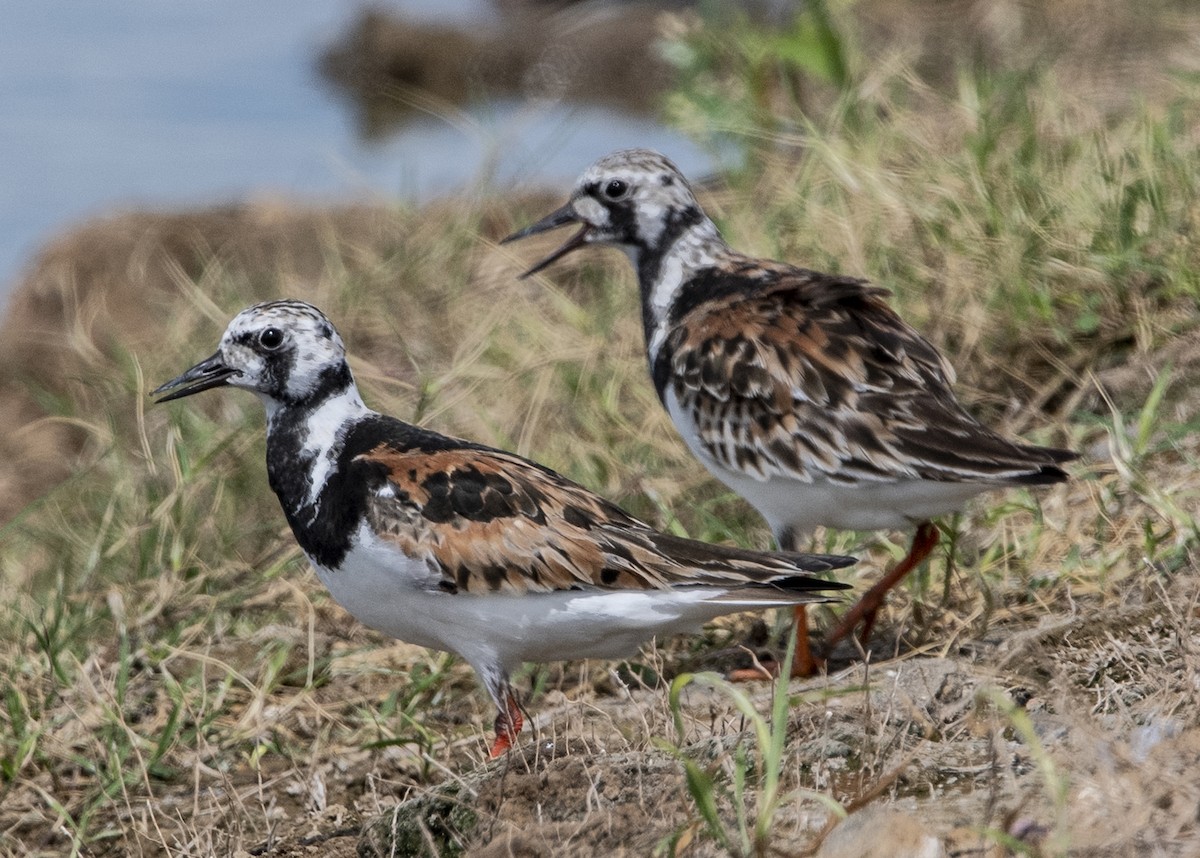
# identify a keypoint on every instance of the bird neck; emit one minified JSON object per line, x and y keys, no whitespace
{"x":304,"y":440}
{"x":686,"y":239}
{"x":665,"y":269}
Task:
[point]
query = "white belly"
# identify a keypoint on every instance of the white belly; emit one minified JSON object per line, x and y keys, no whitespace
{"x":791,"y":504}
{"x":397,"y":595}
{"x":385,"y":589}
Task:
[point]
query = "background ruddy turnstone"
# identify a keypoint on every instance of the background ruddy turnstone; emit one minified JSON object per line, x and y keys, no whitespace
{"x":803,"y":392}
{"x":461,"y":547}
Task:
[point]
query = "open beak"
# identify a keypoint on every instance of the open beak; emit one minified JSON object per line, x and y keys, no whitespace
{"x":558,"y":217}
{"x":210,"y":372}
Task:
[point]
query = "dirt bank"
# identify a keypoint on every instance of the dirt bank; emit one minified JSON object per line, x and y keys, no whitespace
{"x":99,"y":292}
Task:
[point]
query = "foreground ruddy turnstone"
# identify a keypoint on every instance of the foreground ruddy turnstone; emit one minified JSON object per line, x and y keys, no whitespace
{"x":803,"y":392}
{"x":461,"y":547}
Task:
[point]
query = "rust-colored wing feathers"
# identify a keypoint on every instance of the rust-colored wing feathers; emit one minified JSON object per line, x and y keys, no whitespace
{"x":490,"y":521}
{"x":816,"y":377}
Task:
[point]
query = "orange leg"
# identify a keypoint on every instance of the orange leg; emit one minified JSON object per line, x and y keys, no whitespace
{"x":867,"y":608}
{"x":803,"y":664}
{"x":508,"y":723}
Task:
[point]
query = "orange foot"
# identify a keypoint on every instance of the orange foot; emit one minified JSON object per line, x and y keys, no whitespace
{"x":509,"y":722}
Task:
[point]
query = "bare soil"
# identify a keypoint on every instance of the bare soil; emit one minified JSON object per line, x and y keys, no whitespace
{"x":1099,"y":759}
{"x":1075,"y":735}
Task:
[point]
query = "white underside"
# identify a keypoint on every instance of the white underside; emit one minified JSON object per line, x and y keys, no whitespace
{"x":392,"y":593}
{"x":791,"y":504}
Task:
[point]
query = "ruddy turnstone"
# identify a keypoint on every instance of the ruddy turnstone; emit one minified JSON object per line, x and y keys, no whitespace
{"x":803,"y":392}
{"x":461,"y":547}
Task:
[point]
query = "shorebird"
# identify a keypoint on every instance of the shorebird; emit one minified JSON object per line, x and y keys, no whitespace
{"x":803,"y":392}
{"x":465,"y":548}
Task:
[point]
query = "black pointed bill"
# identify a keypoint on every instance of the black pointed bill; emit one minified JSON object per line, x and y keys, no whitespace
{"x":209,"y":373}
{"x":558,"y":217}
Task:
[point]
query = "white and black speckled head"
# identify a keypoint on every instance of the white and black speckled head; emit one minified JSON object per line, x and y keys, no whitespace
{"x":630,"y":199}
{"x":287,"y":352}
{"x":635,"y":200}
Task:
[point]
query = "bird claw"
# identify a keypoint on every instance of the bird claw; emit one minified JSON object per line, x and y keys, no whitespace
{"x":509,"y":722}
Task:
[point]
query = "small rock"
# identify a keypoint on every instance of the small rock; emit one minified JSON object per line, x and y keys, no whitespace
{"x":878,"y":832}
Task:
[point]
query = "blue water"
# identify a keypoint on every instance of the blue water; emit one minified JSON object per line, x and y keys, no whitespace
{"x":163,"y":103}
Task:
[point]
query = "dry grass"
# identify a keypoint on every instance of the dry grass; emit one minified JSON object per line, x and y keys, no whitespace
{"x":179,"y":683}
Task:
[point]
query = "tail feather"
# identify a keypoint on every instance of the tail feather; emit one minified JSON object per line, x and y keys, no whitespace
{"x":752,"y":577}
{"x":1047,"y":474}
{"x":806,"y":583}
{"x":705,"y":555}
{"x":766,"y":596}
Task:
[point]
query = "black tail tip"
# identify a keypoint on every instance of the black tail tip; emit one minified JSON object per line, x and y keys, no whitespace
{"x":807,"y":583}
{"x":820,"y":562}
{"x":1047,"y":475}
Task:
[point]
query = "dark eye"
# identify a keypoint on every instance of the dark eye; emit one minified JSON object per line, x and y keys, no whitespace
{"x":615,"y":189}
{"x":271,"y":339}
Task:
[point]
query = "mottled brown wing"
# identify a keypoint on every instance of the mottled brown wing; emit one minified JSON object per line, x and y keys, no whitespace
{"x":494,"y":522}
{"x":816,"y":377}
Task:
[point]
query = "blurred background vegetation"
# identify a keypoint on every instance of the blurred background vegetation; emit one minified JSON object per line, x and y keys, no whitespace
{"x":1022,"y":176}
